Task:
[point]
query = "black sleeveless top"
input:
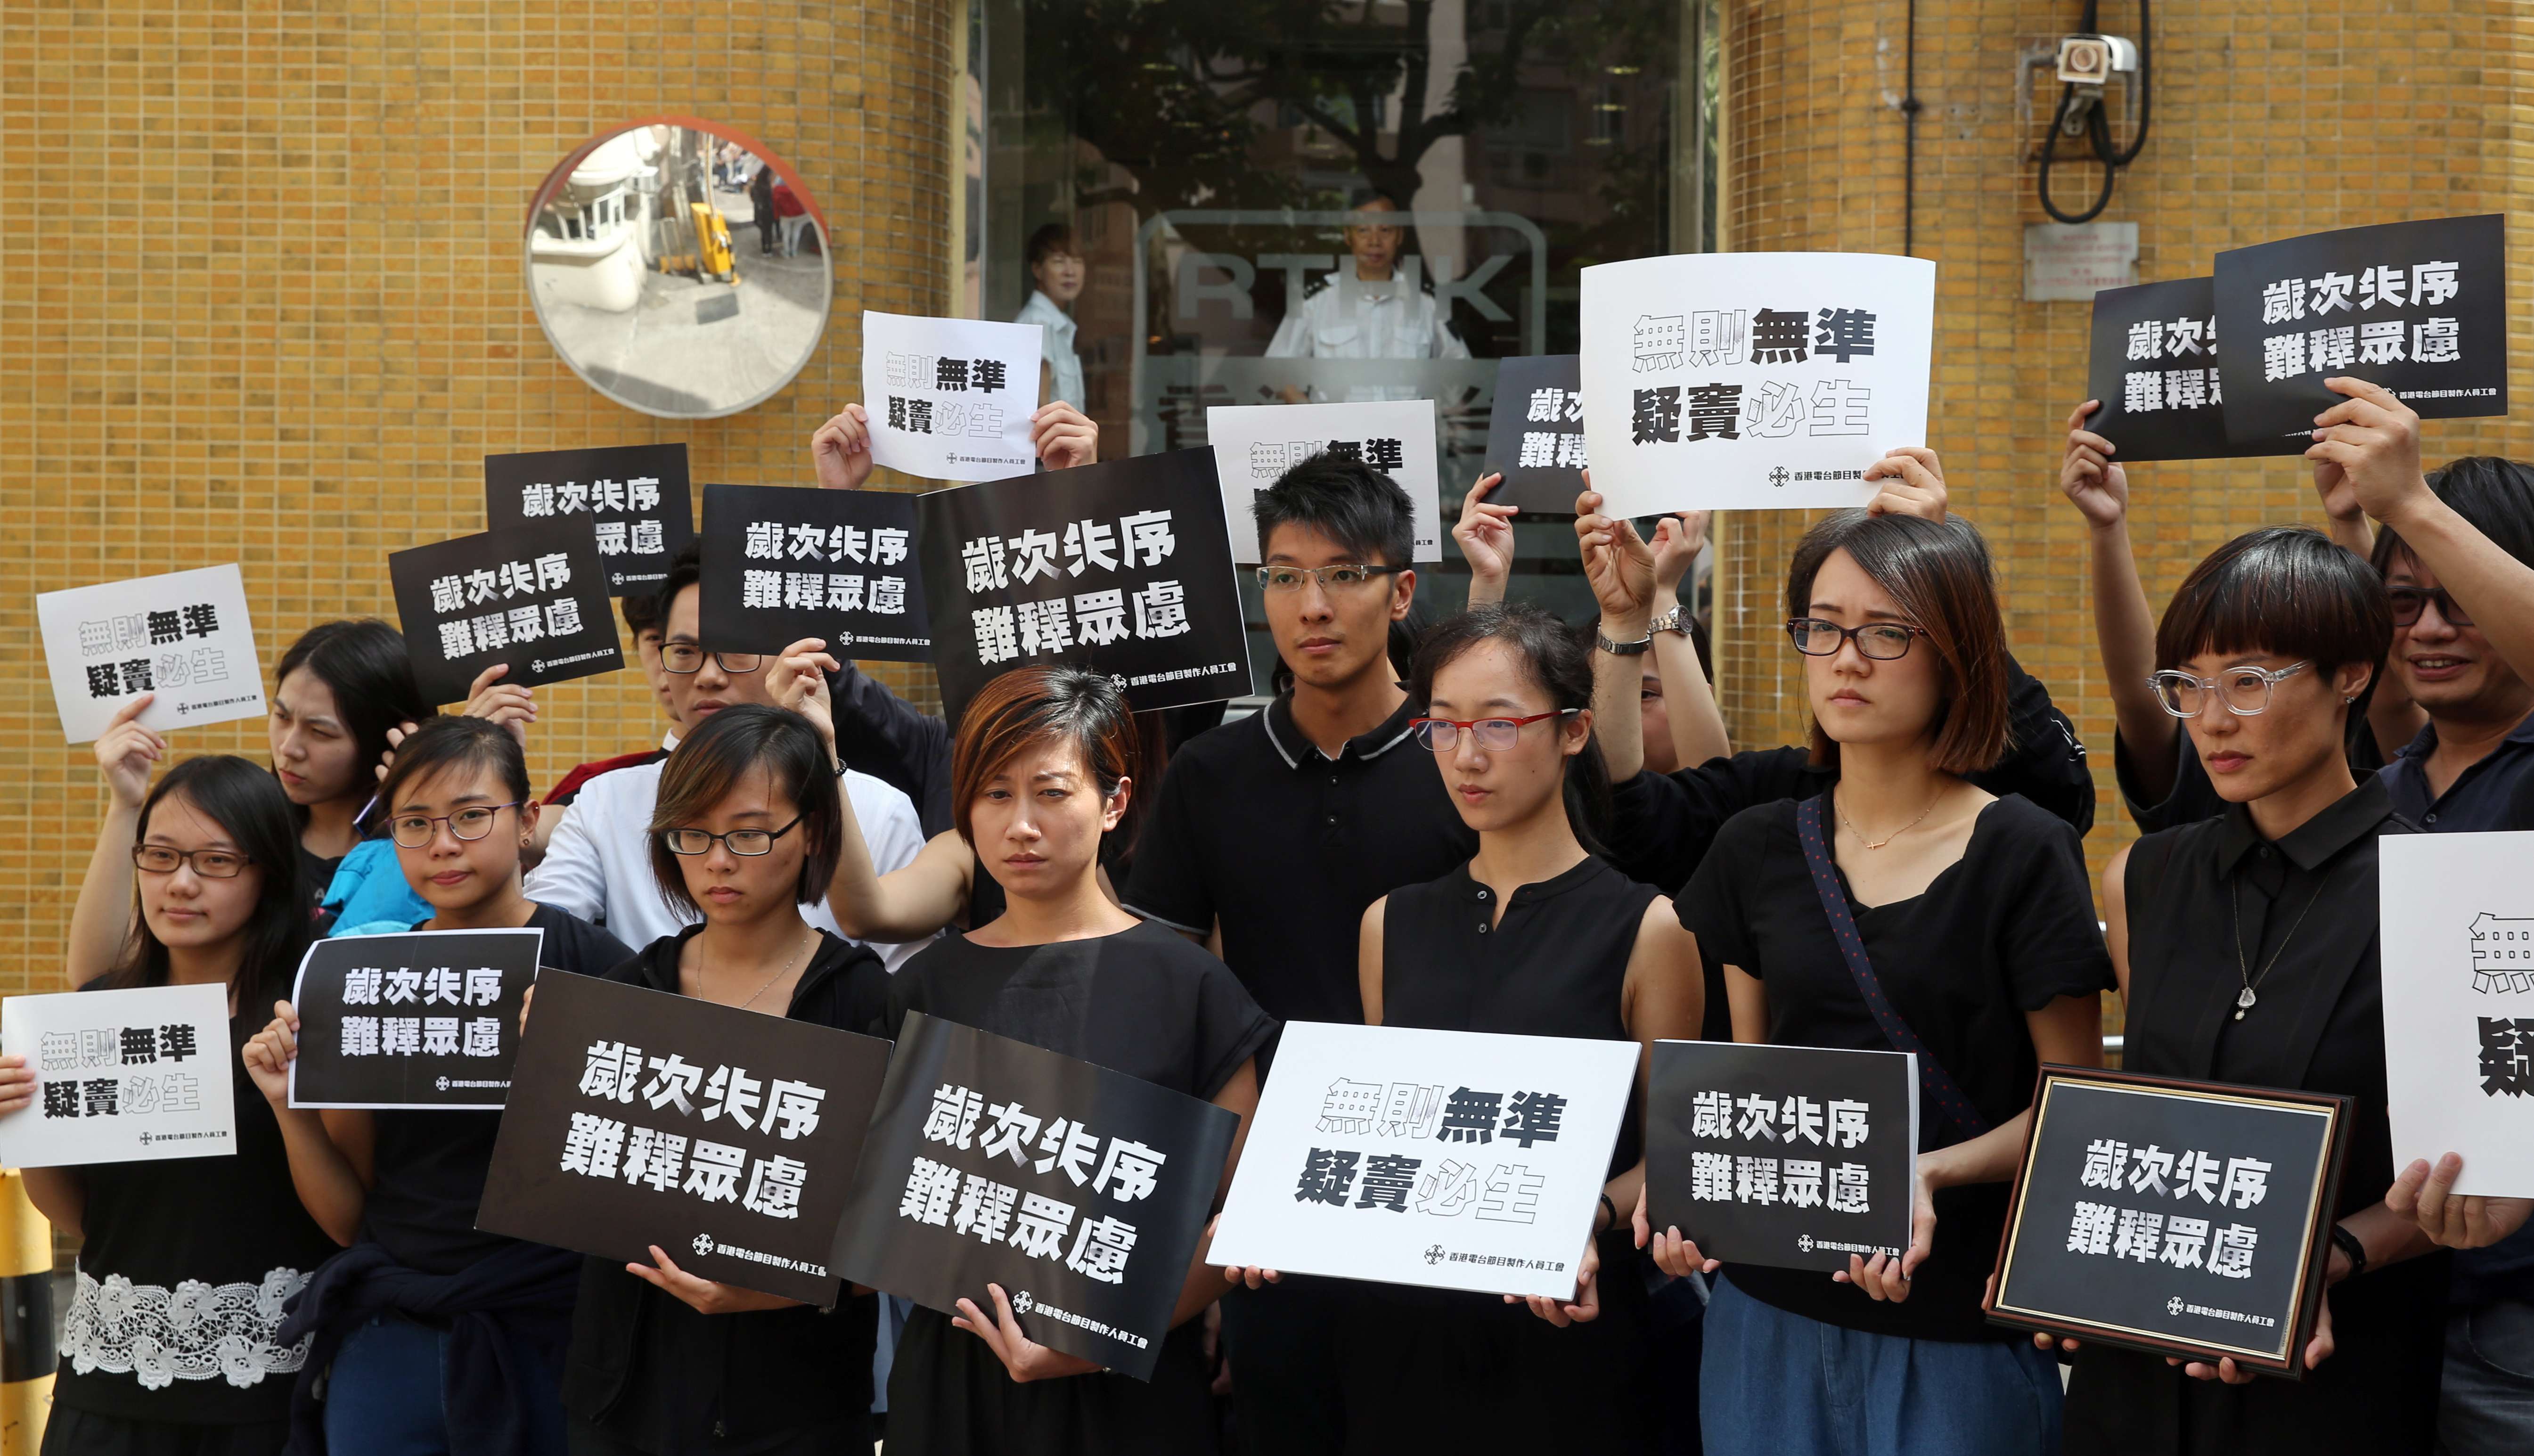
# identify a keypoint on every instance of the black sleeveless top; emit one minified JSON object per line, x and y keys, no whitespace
{"x":2305,"y":907}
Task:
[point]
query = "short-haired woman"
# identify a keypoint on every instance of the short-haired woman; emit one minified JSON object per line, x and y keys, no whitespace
{"x":1043,"y":766}
{"x":171,"y":1346}
{"x":419,"y":1292}
{"x":2247,"y":948}
{"x":1971,"y":914}
{"x":743,"y":833}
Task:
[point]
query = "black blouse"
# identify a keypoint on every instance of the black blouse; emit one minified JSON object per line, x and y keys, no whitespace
{"x":2004,"y":930}
{"x":2198,"y":898}
{"x":1143,"y":1002}
{"x":653,"y":1375}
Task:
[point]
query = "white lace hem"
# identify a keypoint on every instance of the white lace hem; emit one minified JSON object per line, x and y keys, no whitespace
{"x":192,"y":1332}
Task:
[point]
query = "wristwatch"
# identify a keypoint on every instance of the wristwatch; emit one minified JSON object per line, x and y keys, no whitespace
{"x":1636,"y":648}
{"x":1676,"y":620}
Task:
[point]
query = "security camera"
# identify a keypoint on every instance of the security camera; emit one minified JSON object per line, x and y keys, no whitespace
{"x":2093,"y":60}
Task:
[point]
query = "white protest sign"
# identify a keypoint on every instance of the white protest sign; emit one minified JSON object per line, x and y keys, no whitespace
{"x":2458,"y":964}
{"x":1254,"y":444}
{"x":1752,"y":380}
{"x":1451,"y":1159}
{"x":121,"y":1076}
{"x":183,"y":636}
{"x":951,"y":398}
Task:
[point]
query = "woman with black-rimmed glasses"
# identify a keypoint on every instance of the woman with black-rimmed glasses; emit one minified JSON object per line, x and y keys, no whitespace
{"x":1903,"y":908}
{"x":2247,"y":952}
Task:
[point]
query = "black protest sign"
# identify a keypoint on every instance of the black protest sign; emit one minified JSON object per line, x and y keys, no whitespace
{"x":2182,"y":1218}
{"x":1795,"y":1157}
{"x":424,"y":1020}
{"x":1123,"y":567}
{"x":2420,"y":308}
{"x":2153,"y":365}
{"x":727,"y":1137}
{"x":783,"y":563}
{"x":530,"y":597}
{"x":1535,"y":433}
{"x":1082,"y":1192}
{"x":632,"y":496}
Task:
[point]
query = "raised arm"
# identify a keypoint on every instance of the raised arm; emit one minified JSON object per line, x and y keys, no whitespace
{"x":101,"y":918}
{"x":1484,"y":534}
{"x":1697,"y":730}
{"x":2124,"y":627}
{"x":1621,"y":567}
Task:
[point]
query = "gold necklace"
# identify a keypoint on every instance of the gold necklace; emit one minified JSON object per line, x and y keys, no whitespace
{"x":1895,"y":834}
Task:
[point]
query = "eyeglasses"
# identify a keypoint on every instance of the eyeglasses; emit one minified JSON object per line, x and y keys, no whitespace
{"x":2245,"y":690}
{"x":413,"y":830}
{"x":1337,"y":578}
{"x":747,"y":843}
{"x":1882,"y":641}
{"x":1495,"y":735}
{"x":2410,"y":601}
{"x":209,"y":864}
{"x":687,"y":657}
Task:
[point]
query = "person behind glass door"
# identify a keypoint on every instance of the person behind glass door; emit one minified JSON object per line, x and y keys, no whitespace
{"x":1974,"y":916}
{"x":1364,"y":309}
{"x":2247,"y":952}
{"x":1533,"y":937}
{"x":1045,"y":766}
{"x":1056,"y":270}
{"x":742,"y":835}
{"x":412,"y":1317}
{"x":171,"y":1342}
{"x":338,"y":691}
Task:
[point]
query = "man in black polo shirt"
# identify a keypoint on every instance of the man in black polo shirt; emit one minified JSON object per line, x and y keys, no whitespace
{"x":1271,"y":837}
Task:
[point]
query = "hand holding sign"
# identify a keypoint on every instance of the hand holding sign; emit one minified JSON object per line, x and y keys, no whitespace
{"x":2097,"y":487}
{"x":1024,"y":1359}
{"x":125,"y":751}
{"x":840,"y":450}
{"x":270,"y":1053}
{"x":1063,"y":436}
{"x":1675,"y":1255}
{"x":2426,"y":1195}
{"x":703,"y":1295}
{"x":17,"y":1084}
{"x":1484,"y":534}
{"x":2367,"y":452}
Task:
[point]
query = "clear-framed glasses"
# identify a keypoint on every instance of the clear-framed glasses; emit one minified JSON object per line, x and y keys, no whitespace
{"x":749,"y":842}
{"x":209,"y":864}
{"x":2245,"y":689}
{"x":2410,"y":601}
{"x":687,"y":657}
{"x":1332,"y":578}
{"x":1882,"y":641}
{"x":1495,"y":735}
{"x":413,"y":830}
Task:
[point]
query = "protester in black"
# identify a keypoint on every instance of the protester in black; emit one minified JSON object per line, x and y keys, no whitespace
{"x":338,"y":691}
{"x":743,"y":833}
{"x":1045,"y":768}
{"x":1533,"y":937}
{"x":1971,"y":912}
{"x":1272,"y":834}
{"x":432,"y":1336}
{"x":2246,"y":946}
{"x":171,"y":1346}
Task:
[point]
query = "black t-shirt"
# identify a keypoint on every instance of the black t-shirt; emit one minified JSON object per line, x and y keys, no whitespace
{"x":431,"y":1163}
{"x":1259,"y":831}
{"x":184,"y":1266}
{"x":2004,"y":930}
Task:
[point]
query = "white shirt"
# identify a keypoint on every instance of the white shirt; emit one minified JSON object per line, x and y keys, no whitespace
{"x":598,"y":865}
{"x":1056,"y":345}
{"x":1346,"y":318}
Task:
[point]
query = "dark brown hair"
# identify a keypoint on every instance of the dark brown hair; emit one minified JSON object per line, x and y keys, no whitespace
{"x":1029,"y":706}
{"x":708,"y":764}
{"x":1939,"y":578}
{"x":456,"y":742}
{"x":2287,"y":590}
{"x":1555,"y":659}
{"x":247,"y":803}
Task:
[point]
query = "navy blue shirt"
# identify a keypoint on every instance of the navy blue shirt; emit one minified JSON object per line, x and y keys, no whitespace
{"x":2495,"y":793}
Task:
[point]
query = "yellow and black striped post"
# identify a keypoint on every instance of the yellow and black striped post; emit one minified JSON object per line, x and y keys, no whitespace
{"x":26,"y":1354}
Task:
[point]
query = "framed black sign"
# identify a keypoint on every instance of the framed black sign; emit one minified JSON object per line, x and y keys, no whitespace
{"x":429,"y":1019}
{"x":2153,"y":365}
{"x":2420,"y":308}
{"x":1535,"y":433}
{"x":631,"y":498}
{"x":2181,"y":1218}
{"x":1081,"y":1190}
{"x":1123,"y":567}
{"x":1797,"y":1157}
{"x":726,"y":1137}
{"x":530,"y":598}
{"x":782,"y":562}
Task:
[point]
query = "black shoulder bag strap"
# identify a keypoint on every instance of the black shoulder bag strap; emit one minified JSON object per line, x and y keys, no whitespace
{"x":1934,"y":1083}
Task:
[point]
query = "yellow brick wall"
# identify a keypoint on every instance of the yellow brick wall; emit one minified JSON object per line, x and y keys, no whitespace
{"x":2270,"y":120}
{"x":261,"y":300}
